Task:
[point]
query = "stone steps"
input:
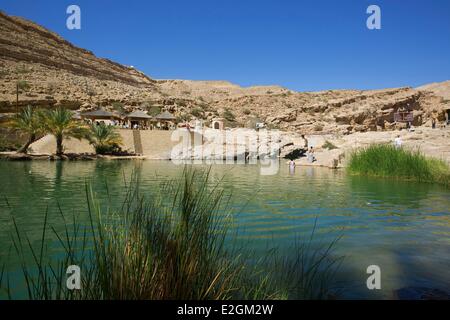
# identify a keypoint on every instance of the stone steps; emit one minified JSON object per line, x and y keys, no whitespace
{"x":137,"y":142}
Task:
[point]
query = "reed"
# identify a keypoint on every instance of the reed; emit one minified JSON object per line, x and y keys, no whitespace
{"x":388,"y":161}
{"x":173,"y":244}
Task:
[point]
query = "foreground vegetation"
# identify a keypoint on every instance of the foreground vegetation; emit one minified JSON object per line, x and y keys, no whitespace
{"x":172,"y":245}
{"x":388,"y":161}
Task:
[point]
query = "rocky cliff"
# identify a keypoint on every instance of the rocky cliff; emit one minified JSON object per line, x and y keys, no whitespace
{"x":59,"y":73}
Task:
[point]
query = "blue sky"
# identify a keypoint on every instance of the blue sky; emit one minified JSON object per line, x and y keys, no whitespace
{"x":302,"y":45}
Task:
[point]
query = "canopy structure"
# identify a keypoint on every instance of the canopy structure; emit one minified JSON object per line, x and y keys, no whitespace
{"x":138,"y":115}
{"x":138,"y":119}
{"x":99,"y":114}
{"x":165,"y":116}
{"x":165,"y":120}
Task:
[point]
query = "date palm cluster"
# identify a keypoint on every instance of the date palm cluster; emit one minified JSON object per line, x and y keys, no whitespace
{"x":61,"y":124}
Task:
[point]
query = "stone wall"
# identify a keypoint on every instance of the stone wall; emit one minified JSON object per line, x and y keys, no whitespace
{"x":156,"y":144}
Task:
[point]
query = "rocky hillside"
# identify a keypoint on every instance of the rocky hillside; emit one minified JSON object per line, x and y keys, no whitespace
{"x":439,"y":88}
{"x":52,"y":72}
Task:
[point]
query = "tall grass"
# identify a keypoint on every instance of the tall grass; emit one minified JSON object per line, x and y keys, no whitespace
{"x":171,"y":245}
{"x":388,"y":161}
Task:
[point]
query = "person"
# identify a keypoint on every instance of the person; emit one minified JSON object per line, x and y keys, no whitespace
{"x":311,"y":157}
{"x":398,"y":142}
{"x":292,"y":166}
{"x":292,"y":163}
{"x":433,"y":123}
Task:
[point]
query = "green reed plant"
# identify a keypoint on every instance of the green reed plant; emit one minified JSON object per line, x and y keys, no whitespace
{"x":385,"y":160}
{"x":167,"y":245}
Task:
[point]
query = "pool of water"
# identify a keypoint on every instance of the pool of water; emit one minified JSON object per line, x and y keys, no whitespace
{"x":402,"y":227}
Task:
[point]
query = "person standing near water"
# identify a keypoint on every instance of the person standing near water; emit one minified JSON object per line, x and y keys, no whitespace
{"x":292,"y":166}
{"x":311,"y":157}
{"x":292,"y":163}
{"x":398,"y":142}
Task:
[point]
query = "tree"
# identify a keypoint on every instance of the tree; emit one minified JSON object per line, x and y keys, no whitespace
{"x":21,"y":85}
{"x":184,"y":117}
{"x":59,"y":123}
{"x":118,"y":106}
{"x":228,"y":115}
{"x":28,"y":121}
{"x":104,"y":138}
{"x":198,"y":113}
{"x":153,"y":110}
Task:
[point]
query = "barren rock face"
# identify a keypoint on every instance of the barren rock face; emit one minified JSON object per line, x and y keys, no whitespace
{"x":22,"y":40}
{"x":59,"y":74}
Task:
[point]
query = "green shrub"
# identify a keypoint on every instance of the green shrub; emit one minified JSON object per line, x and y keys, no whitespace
{"x":228,"y":115}
{"x":198,"y":113}
{"x":22,"y":69}
{"x":104,"y":138}
{"x":23,"y":85}
{"x":118,"y":106}
{"x":386,"y":160}
{"x":108,"y":149}
{"x":184,"y":117}
{"x":154,"y":110}
{"x":328,"y":145}
{"x":318,"y":127}
{"x":8,"y":144}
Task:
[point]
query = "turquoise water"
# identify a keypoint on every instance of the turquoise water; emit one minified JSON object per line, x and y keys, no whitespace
{"x":402,"y":227}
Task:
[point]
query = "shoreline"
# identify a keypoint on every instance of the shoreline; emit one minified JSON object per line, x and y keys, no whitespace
{"x":13,"y":156}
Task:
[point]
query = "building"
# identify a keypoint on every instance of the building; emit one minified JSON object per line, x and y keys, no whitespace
{"x":217,"y":123}
{"x":99,"y":115}
{"x":165,"y":120}
{"x":139,"y":120}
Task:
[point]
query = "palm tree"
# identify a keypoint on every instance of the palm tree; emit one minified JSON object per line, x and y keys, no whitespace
{"x":104,"y":138}
{"x":59,"y":122}
{"x":27,"y":121}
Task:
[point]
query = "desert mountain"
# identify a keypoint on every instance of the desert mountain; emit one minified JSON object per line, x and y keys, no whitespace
{"x":59,"y":73}
{"x":439,"y":88}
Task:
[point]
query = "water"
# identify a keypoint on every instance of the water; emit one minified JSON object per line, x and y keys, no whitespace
{"x":402,"y":227}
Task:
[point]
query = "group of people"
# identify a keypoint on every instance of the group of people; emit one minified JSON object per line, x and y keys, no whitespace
{"x":132,"y":125}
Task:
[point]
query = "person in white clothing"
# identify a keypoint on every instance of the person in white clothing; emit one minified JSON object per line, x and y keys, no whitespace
{"x":398,"y":142}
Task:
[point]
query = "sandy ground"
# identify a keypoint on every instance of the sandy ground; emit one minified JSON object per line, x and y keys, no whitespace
{"x":432,"y":142}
